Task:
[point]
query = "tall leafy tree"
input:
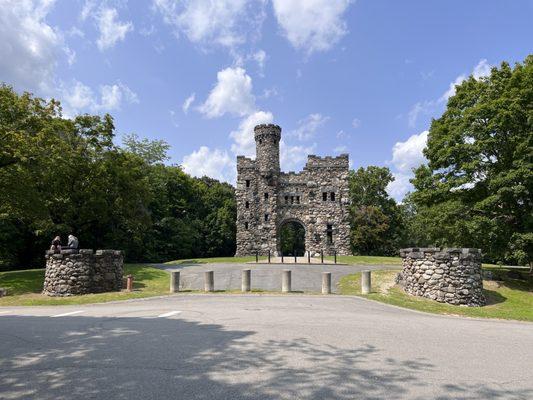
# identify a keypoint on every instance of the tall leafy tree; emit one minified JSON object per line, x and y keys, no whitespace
{"x":476,"y":189}
{"x":376,"y":218}
{"x":61,"y":176}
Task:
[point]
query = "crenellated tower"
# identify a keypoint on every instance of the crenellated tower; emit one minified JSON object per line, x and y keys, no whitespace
{"x":267,"y":137}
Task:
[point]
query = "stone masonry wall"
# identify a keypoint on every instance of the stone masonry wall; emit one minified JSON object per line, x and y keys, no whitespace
{"x":268,"y":198}
{"x":80,"y":272}
{"x":446,"y":275}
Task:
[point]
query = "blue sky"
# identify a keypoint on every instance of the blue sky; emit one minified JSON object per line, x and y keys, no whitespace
{"x":363,"y":77}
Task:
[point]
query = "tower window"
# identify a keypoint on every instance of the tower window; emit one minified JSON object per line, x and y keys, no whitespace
{"x":297,"y":199}
{"x":286,"y":199}
{"x":247,"y":204}
{"x":266,"y":217}
{"x":266,"y":196}
{"x":324,"y":196}
{"x":246,"y":225}
{"x":329,"y":234}
{"x":247,"y":182}
{"x":332,"y":196}
{"x":292,"y":199}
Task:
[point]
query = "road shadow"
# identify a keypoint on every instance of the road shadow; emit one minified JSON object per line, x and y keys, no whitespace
{"x":157,"y":358}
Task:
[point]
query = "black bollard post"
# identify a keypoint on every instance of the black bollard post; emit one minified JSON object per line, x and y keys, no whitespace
{"x":309,"y":257}
{"x":269,"y":256}
{"x":256,"y":256}
{"x":282,"y":256}
{"x":335,"y":256}
{"x":322,"y":256}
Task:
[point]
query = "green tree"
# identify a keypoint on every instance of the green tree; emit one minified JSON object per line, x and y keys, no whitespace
{"x":376,"y":219}
{"x":476,"y":190}
{"x":62,"y":176}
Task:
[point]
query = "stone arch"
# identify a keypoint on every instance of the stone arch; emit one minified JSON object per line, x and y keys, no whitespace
{"x":299,"y":229}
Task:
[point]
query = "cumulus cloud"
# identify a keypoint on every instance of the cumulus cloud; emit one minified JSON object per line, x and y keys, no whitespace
{"x":187,"y":103}
{"x":308,"y":126}
{"x":312,"y":25}
{"x":232,"y":94}
{"x":214,"y":163}
{"x":356,"y":123}
{"x":293,"y":157}
{"x":111,"y":30}
{"x":406,"y":156}
{"x":30,"y":47}
{"x":77,"y":97}
{"x":228,"y":23}
{"x":243,"y":137}
{"x":400,"y":186}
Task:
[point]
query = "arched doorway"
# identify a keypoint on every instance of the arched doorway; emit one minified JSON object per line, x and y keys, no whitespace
{"x":292,"y":238}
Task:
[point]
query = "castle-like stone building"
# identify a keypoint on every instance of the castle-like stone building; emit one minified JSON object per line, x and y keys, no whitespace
{"x":316,"y":198}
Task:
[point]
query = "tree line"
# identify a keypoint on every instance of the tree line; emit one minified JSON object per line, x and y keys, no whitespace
{"x":61,"y":176}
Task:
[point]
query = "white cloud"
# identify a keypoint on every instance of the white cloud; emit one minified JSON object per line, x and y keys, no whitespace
{"x":341,"y":149}
{"x":87,"y":9}
{"x":110,"y":28}
{"x":232,"y":94}
{"x":228,"y":23}
{"x":481,"y":70}
{"x":77,"y":97}
{"x":356,"y":123}
{"x":343,"y":135}
{"x":400,"y":186}
{"x":260,"y":57}
{"x":420,"y":108}
{"x":308,"y":126}
{"x":312,"y":25}
{"x":112,"y":96}
{"x":292,"y":158}
{"x":406,"y":156}
{"x":29,"y":47}
{"x":429,"y":107}
{"x":214,"y":163}
{"x":187,"y":103}
{"x":244,"y":142}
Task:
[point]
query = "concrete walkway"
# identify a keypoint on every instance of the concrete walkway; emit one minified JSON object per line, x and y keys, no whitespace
{"x":305,"y":277}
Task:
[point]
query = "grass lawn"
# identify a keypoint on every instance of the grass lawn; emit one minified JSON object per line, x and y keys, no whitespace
{"x":506,"y":299}
{"x":24,"y":287}
{"x":212,"y":260}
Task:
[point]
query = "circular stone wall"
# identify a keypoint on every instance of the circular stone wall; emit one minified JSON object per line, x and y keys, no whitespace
{"x":446,"y":275}
{"x":80,"y":272}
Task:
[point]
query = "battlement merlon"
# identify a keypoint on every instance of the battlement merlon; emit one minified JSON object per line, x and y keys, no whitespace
{"x":245,"y":163}
{"x":342,"y":162}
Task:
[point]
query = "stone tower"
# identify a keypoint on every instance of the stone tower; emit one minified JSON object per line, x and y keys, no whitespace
{"x":316,"y":198}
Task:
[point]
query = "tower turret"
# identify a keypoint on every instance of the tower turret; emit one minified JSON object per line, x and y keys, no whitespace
{"x":267,"y":137}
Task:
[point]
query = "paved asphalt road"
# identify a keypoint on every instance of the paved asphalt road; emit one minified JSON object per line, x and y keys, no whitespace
{"x":259,"y":347}
{"x":305,"y":277}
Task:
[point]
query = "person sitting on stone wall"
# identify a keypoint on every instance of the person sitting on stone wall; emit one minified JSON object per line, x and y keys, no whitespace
{"x":56,"y":245}
{"x":73,"y":242}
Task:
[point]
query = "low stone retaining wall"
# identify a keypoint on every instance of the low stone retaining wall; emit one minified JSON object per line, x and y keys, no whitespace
{"x":80,"y":272}
{"x":446,"y":275}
